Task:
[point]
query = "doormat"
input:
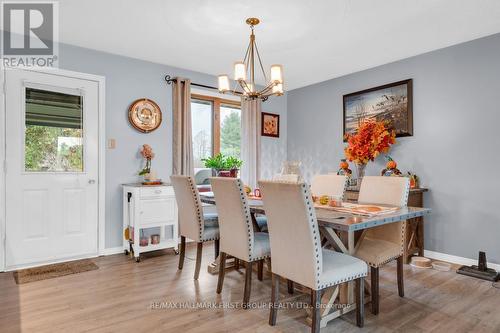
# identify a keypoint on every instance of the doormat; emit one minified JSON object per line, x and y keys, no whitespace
{"x":52,"y":271}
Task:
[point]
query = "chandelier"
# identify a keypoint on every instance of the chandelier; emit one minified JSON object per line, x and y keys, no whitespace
{"x":244,"y":73}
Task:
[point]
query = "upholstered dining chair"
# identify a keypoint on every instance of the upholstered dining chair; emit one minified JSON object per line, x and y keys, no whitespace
{"x":292,"y":178}
{"x":296,"y":250}
{"x":332,"y":185}
{"x":238,"y":238}
{"x":385,"y":243}
{"x":193,"y":222}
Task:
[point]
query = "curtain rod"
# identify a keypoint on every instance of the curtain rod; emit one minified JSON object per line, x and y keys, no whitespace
{"x":169,"y":80}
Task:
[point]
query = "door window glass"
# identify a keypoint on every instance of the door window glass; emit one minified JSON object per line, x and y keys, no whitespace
{"x":53,"y":138}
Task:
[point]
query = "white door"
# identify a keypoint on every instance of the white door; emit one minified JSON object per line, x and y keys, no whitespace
{"x":51,"y":167}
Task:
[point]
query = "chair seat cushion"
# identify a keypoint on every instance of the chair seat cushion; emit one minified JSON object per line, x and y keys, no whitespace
{"x":261,"y":247}
{"x":211,"y":219}
{"x":261,"y":222}
{"x":376,"y":252}
{"x":210,"y":233}
{"x":339,"y":267}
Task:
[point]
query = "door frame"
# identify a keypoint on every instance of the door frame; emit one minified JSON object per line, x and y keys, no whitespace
{"x":101,"y":205}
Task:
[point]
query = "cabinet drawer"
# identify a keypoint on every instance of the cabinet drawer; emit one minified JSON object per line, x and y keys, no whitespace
{"x":157,"y":191}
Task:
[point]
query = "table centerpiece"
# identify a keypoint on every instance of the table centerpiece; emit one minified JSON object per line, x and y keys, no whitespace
{"x":370,"y":140}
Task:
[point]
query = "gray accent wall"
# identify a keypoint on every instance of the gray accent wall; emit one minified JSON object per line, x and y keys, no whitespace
{"x":128,"y":79}
{"x":455,"y":148}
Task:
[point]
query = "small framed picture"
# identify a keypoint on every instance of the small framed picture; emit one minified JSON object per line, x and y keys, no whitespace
{"x":270,"y":125}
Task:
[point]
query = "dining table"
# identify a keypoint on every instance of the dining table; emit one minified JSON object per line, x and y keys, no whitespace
{"x":342,"y":231}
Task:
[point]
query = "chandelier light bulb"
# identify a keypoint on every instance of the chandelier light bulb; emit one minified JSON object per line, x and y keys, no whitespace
{"x":277,"y":73}
{"x":240,"y":72}
{"x":278,"y":89}
{"x":223,"y":83}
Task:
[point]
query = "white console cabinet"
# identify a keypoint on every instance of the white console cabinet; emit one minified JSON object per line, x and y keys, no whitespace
{"x":147,"y":211}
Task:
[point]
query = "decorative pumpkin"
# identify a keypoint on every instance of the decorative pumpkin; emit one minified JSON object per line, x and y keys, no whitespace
{"x":391,"y":168}
{"x":391,"y":164}
{"x":344,"y":168}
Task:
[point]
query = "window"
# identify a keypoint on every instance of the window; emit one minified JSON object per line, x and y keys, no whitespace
{"x":202,"y":130}
{"x":53,"y":137}
{"x":216,"y":128}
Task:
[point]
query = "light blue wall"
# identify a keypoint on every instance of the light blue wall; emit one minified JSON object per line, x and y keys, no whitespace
{"x":456,"y":144}
{"x":128,"y":79}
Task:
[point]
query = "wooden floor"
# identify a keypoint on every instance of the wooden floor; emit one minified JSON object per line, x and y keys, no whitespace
{"x":118,"y":297}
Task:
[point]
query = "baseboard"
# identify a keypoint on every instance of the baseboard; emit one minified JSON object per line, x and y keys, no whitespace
{"x":111,"y":250}
{"x":456,"y":260}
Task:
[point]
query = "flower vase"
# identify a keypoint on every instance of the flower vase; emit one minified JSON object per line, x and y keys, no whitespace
{"x":360,"y":168}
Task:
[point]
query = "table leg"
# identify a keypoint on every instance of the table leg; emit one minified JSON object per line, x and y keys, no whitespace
{"x":420,"y":236}
{"x":213,"y":268}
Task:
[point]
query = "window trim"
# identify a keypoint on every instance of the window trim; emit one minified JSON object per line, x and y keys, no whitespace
{"x":216,"y":104}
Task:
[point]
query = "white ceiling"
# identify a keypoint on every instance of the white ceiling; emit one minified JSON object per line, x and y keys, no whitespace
{"x":314,"y":40}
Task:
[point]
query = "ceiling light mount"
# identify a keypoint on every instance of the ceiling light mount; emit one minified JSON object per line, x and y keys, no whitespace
{"x":252,"y":21}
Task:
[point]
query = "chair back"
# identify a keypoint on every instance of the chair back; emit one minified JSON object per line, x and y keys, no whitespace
{"x":332,"y":185}
{"x":191,"y":223}
{"x":392,"y":191}
{"x":235,"y":221}
{"x":291,"y":178}
{"x":293,"y":231}
{"x":385,"y":190}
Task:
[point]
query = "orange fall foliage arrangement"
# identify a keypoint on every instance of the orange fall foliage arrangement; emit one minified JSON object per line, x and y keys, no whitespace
{"x":371,"y":139}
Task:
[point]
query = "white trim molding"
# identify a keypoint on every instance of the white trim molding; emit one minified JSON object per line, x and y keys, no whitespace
{"x":2,"y":171}
{"x":111,"y":250}
{"x":456,"y":259}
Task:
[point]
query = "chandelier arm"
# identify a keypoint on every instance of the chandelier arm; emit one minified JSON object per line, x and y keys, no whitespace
{"x":246,"y":53}
{"x":244,"y":85}
{"x":234,"y":91}
{"x":267,"y":88}
{"x":260,"y":62}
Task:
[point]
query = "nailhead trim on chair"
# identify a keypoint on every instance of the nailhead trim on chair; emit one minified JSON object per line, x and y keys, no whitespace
{"x":199,"y":211}
{"x":354,"y":277}
{"x":346,"y":182}
{"x":383,"y":262}
{"x":314,"y":226}
{"x":404,"y":203}
{"x":248,"y":220}
{"x":317,"y":245}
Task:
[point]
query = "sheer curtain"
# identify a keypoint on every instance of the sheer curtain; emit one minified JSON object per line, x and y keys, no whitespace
{"x":250,"y":141}
{"x":182,"y":138}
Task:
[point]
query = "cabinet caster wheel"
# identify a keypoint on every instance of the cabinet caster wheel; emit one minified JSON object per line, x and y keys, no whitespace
{"x":176,"y":252}
{"x":126,"y":252}
{"x":138,"y":259}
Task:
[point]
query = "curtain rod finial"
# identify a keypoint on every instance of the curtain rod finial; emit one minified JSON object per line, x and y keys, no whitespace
{"x":168,"y":79}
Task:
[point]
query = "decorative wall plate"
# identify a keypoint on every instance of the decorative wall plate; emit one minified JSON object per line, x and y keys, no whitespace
{"x":144,"y":115}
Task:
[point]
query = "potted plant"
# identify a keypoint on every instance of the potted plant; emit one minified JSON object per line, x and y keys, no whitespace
{"x":148,"y":155}
{"x":224,"y":166}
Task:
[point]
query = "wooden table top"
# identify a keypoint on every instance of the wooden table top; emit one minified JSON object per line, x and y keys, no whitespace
{"x":341,"y":221}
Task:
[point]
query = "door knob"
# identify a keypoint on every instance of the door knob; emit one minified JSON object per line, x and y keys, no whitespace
{"x":91,"y":181}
